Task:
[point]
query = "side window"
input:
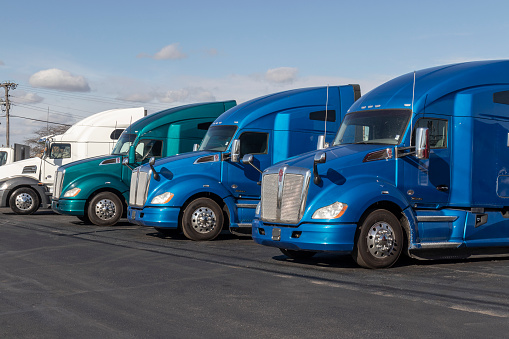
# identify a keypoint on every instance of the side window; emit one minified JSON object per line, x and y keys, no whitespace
{"x":148,"y":148}
{"x":253,"y":143}
{"x":437,"y":132}
{"x":60,"y":151}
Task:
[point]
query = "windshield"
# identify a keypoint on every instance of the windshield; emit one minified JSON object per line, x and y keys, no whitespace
{"x":124,"y":142}
{"x":217,"y":138}
{"x":3,"y":158}
{"x":385,"y":127}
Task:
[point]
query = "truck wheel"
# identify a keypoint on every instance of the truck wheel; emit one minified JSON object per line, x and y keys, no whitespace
{"x":202,"y":220}
{"x":24,"y":200}
{"x":105,"y":209}
{"x":380,"y":240}
{"x":297,"y":254}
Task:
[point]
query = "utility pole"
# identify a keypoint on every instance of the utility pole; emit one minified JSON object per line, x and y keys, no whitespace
{"x":7,"y":86}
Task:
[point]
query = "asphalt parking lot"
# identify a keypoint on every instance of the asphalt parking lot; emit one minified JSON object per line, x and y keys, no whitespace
{"x":62,"y":278}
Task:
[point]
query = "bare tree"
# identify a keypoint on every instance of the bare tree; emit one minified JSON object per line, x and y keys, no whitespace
{"x":36,"y":147}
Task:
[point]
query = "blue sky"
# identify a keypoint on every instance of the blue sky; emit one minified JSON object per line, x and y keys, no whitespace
{"x":77,"y":58}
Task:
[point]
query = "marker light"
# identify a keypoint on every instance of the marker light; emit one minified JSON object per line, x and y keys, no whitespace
{"x":332,"y":211}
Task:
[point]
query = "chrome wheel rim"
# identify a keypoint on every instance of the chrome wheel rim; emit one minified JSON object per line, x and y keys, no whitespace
{"x":105,"y":209}
{"x":380,"y":240}
{"x":24,"y":201}
{"x":203,"y":220}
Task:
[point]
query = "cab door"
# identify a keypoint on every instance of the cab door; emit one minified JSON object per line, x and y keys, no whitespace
{"x":427,"y":181}
{"x":242,"y":179}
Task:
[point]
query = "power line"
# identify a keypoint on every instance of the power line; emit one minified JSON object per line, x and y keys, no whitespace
{"x":45,"y":110}
{"x":51,"y":122}
{"x":95,"y":98}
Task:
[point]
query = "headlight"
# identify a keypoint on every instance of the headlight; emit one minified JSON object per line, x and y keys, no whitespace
{"x":332,"y":211}
{"x":162,"y":198}
{"x":72,"y":192}
{"x":257,"y":210}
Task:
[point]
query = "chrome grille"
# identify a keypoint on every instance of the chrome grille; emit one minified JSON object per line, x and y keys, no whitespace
{"x":140,"y":182}
{"x":284,"y":192}
{"x":59,"y":180}
{"x":291,"y":198}
{"x":269,"y":194}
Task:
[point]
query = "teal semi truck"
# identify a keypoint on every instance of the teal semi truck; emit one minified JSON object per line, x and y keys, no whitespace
{"x":96,"y":189}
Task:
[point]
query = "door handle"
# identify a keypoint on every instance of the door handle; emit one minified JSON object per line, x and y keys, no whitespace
{"x":442,"y":188}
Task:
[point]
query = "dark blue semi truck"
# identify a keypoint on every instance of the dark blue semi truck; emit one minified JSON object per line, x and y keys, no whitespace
{"x":420,"y":165}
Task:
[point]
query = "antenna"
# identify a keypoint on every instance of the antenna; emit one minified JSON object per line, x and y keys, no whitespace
{"x":412,"y":115}
{"x":326,"y":105}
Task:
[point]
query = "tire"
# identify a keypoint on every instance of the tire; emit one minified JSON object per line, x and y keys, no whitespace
{"x":380,"y":240}
{"x":297,"y":254}
{"x":167,"y":232}
{"x":202,"y":220}
{"x":105,"y":209}
{"x":24,"y":200}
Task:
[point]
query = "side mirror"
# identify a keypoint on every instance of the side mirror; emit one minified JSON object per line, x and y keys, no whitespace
{"x":235,"y":153}
{"x":151,"y":163}
{"x":422,"y":143}
{"x":248,"y":160}
{"x":321,"y":143}
{"x":195,"y":147}
{"x":125,"y":162}
{"x":320,"y":158}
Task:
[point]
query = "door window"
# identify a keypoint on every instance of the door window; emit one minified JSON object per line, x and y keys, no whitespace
{"x":437,"y":132}
{"x":60,"y":151}
{"x":253,"y":143}
{"x":148,"y":148}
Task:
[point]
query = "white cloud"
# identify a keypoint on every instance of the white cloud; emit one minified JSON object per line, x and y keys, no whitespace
{"x":190,"y":94}
{"x":281,"y":74}
{"x":171,"y":52}
{"x":137,"y":97}
{"x":58,"y":79}
{"x":23,"y":97}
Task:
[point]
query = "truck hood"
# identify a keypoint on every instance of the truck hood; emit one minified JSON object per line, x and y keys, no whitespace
{"x":16,"y":168}
{"x":91,"y":161}
{"x":186,"y":159}
{"x":337,"y":157}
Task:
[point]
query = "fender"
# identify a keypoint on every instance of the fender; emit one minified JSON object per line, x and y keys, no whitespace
{"x":9,"y":185}
{"x":90,"y":184}
{"x":187,"y":187}
{"x":359,"y":194}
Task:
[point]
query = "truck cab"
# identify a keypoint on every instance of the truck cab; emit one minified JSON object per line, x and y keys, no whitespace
{"x":26,"y":185}
{"x":218,"y":186}
{"x":419,"y":166}
{"x":9,"y":155}
{"x":96,"y":189}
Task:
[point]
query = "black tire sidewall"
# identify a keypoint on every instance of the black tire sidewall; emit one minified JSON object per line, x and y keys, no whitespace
{"x":33,"y":195}
{"x":94,"y":219}
{"x":187,"y":227}
{"x":361,"y":252}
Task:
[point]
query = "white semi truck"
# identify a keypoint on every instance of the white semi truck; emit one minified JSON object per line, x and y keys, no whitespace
{"x":26,"y":185}
{"x":9,"y":155}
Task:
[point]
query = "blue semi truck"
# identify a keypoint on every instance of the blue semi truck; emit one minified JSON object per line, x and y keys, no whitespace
{"x":201,"y":192}
{"x":420,"y":165}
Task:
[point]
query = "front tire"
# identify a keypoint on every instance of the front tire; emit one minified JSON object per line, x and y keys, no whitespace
{"x":380,"y":240}
{"x":105,"y":209}
{"x":24,"y":200}
{"x":202,"y":220}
